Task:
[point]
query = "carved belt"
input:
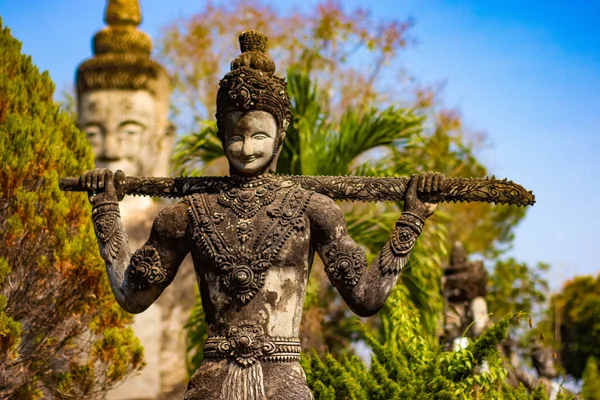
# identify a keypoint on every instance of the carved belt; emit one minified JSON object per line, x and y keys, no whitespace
{"x":247,"y":344}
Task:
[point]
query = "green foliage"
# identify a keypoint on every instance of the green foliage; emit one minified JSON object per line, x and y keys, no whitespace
{"x":514,"y":286}
{"x":55,"y":303}
{"x":410,"y":366}
{"x":572,"y":323}
{"x":591,"y":380}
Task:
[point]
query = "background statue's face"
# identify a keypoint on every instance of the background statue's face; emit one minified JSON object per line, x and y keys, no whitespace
{"x":121,"y":126}
{"x":249,"y":140}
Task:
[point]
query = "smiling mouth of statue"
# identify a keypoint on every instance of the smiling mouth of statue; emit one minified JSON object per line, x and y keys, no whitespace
{"x":248,"y":160}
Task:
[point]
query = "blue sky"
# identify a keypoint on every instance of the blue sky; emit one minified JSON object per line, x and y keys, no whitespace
{"x":526,"y":73}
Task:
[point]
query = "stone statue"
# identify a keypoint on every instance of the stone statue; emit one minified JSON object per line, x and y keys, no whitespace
{"x":253,"y":236}
{"x":464,"y":287}
{"x":123,"y":98}
{"x":123,"y":106}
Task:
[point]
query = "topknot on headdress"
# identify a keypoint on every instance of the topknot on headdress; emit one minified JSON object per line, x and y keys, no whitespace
{"x":251,"y":83}
{"x":253,"y":45}
{"x":121,"y":35}
{"x":122,"y":54}
{"x":123,"y":12}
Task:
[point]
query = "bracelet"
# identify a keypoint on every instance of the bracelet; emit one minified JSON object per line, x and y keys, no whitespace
{"x":408,"y":228}
{"x":411,"y":220}
{"x":110,"y":207}
{"x":105,"y":217}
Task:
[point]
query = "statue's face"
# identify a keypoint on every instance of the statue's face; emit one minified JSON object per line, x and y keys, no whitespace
{"x":121,"y":126}
{"x":249,"y":140}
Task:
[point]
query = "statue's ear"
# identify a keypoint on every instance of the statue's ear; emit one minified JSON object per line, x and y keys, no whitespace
{"x":170,"y":130}
{"x":166,"y":139}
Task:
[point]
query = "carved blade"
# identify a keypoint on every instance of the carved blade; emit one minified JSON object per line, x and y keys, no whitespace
{"x":348,"y":188}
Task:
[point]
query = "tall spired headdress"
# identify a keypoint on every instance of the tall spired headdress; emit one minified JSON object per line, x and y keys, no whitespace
{"x":122,"y":55}
{"x":252,"y":85}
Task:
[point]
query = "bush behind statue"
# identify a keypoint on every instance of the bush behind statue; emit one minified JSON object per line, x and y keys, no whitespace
{"x":61,"y":333}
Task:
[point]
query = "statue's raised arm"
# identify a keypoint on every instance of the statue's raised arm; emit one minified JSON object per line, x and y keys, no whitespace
{"x":136,"y":279}
{"x":365,"y":290}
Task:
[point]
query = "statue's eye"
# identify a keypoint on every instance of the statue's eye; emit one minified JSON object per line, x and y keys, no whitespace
{"x":131,"y":129}
{"x":260,"y":136}
{"x":93,"y":131}
{"x":236,"y":138}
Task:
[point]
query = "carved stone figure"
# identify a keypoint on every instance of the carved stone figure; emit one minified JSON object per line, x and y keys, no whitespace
{"x":464,"y":286}
{"x":253,"y":236}
{"x":252,"y":241}
{"x":123,"y":97}
{"x":123,"y":106}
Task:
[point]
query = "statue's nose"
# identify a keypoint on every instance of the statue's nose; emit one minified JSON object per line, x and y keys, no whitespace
{"x":111,"y":148}
{"x":247,"y":148}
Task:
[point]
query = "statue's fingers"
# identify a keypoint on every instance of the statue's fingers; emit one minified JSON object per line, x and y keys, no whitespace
{"x":108,"y":179}
{"x":94,"y":181}
{"x":422,"y":180}
{"x":429,"y":183}
{"x":412,"y":185}
{"x":88,"y":180}
{"x":436,"y":183}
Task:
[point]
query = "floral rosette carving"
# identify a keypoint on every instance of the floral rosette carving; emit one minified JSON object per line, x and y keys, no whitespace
{"x":345,"y":264}
{"x":145,"y":269}
{"x":244,"y":272}
{"x":246,"y":343}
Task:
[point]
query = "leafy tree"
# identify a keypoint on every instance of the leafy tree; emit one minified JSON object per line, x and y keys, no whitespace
{"x":61,"y":333}
{"x":447,"y":147}
{"x":591,"y":380}
{"x":327,"y":41}
{"x":516,"y":286}
{"x":353,"y":56}
{"x":572,"y":323}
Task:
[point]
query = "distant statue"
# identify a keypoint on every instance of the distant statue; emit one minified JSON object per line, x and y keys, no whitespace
{"x":464,"y":287}
{"x":252,"y":238}
{"x":542,"y":358}
{"x":123,"y":98}
{"x":123,"y":106}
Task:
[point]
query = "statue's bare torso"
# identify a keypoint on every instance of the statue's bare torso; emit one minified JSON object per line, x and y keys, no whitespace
{"x":266,"y":259}
{"x":252,"y":253}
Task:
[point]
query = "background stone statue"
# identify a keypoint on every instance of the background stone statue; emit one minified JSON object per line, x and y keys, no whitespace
{"x":464,"y":288}
{"x":123,"y":106}
{"x":123,"y":97}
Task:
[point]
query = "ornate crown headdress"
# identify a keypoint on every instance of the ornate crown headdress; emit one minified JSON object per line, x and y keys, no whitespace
{"x":122,"y":55}
{"x":252,"y":85}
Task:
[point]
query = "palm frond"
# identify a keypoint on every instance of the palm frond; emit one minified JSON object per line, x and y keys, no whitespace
{"x":195,"y":150}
